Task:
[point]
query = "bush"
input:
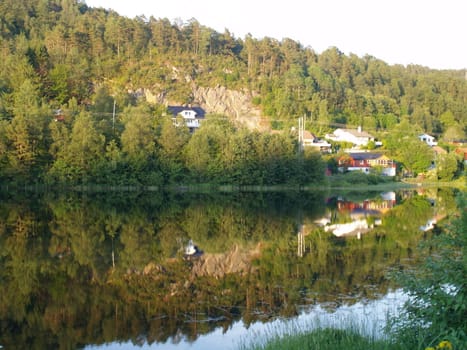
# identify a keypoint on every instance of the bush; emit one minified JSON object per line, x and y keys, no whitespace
{"x":437,"y":307}
{"x":359,"y":178}
{"x":326,"y":339}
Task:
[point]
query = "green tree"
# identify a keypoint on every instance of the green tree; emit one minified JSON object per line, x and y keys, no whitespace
{"x":404,"y":145}
{"x":4,"y":163}
{"x":240,"y":158}
{"x":416,"y":156}
{"x":171,"y":141}
{"x":203,"y":153}
{"x":138,"y":137}
{"x":79,"y":160}
{"x":27,"y":133}
{"x":446,"y":166}
{"x":454,"y":132}
{"x":60,"y":89}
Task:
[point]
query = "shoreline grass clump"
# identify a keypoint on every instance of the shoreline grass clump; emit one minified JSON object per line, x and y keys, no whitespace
{"x":335,"y":331}
{"x":330,"y":338}
{"x":324,"y":339}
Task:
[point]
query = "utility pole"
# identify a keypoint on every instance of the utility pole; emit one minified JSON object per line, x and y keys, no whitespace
{"x":301,"y":129}
{"x":113,"y":117}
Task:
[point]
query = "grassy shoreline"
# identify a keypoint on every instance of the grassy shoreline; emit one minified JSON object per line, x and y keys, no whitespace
{"x":325,"y":339}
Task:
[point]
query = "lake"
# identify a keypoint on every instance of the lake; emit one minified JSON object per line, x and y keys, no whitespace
{"x":109,"y":271}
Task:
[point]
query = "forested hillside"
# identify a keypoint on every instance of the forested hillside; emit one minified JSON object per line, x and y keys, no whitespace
{"x":63,"y":55}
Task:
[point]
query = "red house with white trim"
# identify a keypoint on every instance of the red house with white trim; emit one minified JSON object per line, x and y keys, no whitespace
{"x":365,"y":161}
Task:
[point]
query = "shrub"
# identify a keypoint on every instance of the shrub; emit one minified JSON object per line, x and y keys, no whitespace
{"x":437,"y":306}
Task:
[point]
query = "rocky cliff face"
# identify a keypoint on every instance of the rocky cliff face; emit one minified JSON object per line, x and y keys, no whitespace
{"x":234,"y":104}
{"x":221,"y":100}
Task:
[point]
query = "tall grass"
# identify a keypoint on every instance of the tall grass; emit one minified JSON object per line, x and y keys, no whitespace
{"x":326,"y":339}
{"x":336,"y":333}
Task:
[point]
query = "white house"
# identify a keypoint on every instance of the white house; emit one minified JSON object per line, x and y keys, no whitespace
{"x":356,"y":137}
{"x":428,"y":139}
{"x":191,"y":115}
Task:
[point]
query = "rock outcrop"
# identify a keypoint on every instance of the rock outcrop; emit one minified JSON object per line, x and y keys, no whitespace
{"x":235,"y":104}
{"x":232,"y":103}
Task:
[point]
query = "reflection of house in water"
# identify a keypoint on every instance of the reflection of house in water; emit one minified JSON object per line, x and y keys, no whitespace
{"x":439,"y":212}
{"x":354,"y":228}
{"x":301,"y":241}
{"x":430,"y":225}
{"x":386,"y":201}
{"x":359,"y":214}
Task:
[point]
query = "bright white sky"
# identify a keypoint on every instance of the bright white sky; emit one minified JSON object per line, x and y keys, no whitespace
{"x":431,"y":33}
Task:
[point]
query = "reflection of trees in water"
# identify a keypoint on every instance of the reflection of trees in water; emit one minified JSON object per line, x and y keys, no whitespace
{"x":60,"y":288}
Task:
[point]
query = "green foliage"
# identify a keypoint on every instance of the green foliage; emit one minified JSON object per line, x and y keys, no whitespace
{"x":414,"y":155}
{"x":67,"y":54}
{"x":446,"y":166}
{"x":325,"y":339}
{"x":438,"y":291}
{"x":77,"y":159}
{"x":359,"y":178}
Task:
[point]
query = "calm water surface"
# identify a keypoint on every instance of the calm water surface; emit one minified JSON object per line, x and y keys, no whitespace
{"x":108,"y":270}
{"x":370,"y":317}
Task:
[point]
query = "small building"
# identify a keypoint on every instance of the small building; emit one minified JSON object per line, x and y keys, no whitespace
{"x":310,"y":140}
{"x":365,"y":161}
{"x":428,"y":139}
{"x":356,"y":137}
{"x":192,"y":116}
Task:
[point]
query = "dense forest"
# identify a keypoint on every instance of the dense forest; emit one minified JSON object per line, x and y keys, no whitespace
{"x":64,"y":57}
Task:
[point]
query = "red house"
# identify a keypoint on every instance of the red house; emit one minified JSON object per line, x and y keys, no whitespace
{"x":365,"y":161}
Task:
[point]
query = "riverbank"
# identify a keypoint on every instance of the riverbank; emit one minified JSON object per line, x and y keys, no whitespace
{"x":354,"y":182}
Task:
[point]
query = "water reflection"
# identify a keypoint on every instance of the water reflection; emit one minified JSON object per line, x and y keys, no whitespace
{"x":354,"y":218}
{"x":80,"y":269}
{"x":369,"y":317}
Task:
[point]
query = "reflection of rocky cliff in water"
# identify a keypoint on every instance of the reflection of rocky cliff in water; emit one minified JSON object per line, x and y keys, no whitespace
{"x":237,"y":260}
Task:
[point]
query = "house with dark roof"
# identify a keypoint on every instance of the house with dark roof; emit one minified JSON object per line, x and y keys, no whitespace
{"x":365,"y":162}
{"x":192,"y":116}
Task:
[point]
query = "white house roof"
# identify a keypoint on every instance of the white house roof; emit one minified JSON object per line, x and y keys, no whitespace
{"x":176,"y":110}
{"x":356,"y":133}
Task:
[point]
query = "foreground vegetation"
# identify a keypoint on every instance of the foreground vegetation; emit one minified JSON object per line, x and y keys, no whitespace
{"x":326,"y":339}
